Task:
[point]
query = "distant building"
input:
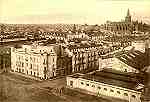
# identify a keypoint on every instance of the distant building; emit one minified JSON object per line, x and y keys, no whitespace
{"x":125,"y":26}
{"x":110,"y":83}
{"x":120,"y":27}
{"x":5,"y":58}
{"x":139,"y":45}
{"x":96,"y":36}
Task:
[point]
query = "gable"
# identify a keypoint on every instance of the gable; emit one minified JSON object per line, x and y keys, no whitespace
{"x":116,"y":64}
{"x":119,"y":65}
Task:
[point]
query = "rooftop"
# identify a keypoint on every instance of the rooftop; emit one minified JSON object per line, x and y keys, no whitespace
{"x":135,"y":59}
{"x":85,"y":45}
{"x":113,"y":77}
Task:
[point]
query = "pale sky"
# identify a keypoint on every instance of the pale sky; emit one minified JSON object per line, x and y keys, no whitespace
{"x":72,"y":11}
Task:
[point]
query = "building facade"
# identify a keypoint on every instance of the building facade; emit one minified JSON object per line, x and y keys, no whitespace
{"x":5,"y":59}
{"x":99,"y":85}
{"x":84,"y":58}
{"x":116,"y":64}
{"x":124,"y":26}
{"x":37,"y":61}
{"x":120,"y":27}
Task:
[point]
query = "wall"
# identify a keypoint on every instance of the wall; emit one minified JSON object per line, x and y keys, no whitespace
{"x":116,"y":64}
{"x":35,"y":61}
{"x":104,"y":89}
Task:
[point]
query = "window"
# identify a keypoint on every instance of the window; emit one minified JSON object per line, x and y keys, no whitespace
{"x":22,"y":70}
{"x":99,"y":87}
{"x":87,"y":84}
{"x":118,"y":92}
{"x":31,"y":72}
{"x":22,"y":64}
{"x":71,"y":83}
{"x":44,"y":68}
{"x":31,"y":66}
{"x":93,"y":85}
{"x":53,"y":59}
{"x":44,"y":61}
{"x":38,"y":74}
{"x":25,"y":49}
{"x":133,"y":96}
{"x":82,"y":83}
{"x":125,"y":94}
{"x":111,"y":90}
{"x":105,"y":89}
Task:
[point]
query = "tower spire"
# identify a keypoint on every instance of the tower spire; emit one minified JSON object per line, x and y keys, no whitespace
{"x":128,"y":12}
{"x":128,"y":17}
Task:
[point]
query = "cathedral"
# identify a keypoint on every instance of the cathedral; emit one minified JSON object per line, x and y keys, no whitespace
{"x":125,"y":26}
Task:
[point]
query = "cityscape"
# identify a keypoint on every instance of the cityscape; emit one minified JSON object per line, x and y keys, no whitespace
{"x":108,"y":62}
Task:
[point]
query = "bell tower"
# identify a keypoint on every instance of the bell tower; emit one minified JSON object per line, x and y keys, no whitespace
{"x":128,"y":17}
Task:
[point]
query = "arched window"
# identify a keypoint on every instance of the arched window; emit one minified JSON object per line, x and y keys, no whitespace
{"x":93,"y":85}
{"x":111,"y":90}
{"x":125,"y":94}
{"x":133,"y":96}
{"x":99,"y":87}
{"x":105,"y":89}
{"x":118,"y":92}
{"x":87,"y":84}
{"x":82,"y":83}
{"x":38,"y":74}
{"x":122,"y":27}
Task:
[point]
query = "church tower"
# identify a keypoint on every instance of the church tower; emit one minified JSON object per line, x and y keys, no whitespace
{"x":74,"y":29}
{"x":128,"y":17}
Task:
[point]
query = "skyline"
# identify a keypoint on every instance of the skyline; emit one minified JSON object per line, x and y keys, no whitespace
{"x":72,"y":11}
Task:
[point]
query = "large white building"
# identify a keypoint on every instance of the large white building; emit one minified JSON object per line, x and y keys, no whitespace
{"x":109,"y":83}
{"x":35,"y":60}
{"x":84,"y":57}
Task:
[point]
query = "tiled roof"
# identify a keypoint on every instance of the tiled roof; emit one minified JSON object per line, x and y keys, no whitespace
{"x":113,"y":77}
{"x":135,"y":59}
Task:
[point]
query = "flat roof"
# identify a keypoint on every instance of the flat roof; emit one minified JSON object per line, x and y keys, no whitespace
{"x":112,"y":77}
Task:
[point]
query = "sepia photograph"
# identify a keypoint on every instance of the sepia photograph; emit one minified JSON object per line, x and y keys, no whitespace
{"x":74,"y":50}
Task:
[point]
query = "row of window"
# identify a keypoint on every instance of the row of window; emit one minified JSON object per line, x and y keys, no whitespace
{"x":31,"y":58}
{"x":83,"y":66}
{"x":28,"y":72}
{"x":84,"y":54}
{"x":105,"y":89}
{"x":84,"y":61}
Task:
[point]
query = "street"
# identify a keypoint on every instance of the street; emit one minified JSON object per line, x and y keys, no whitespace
{"x":16,"y":88}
